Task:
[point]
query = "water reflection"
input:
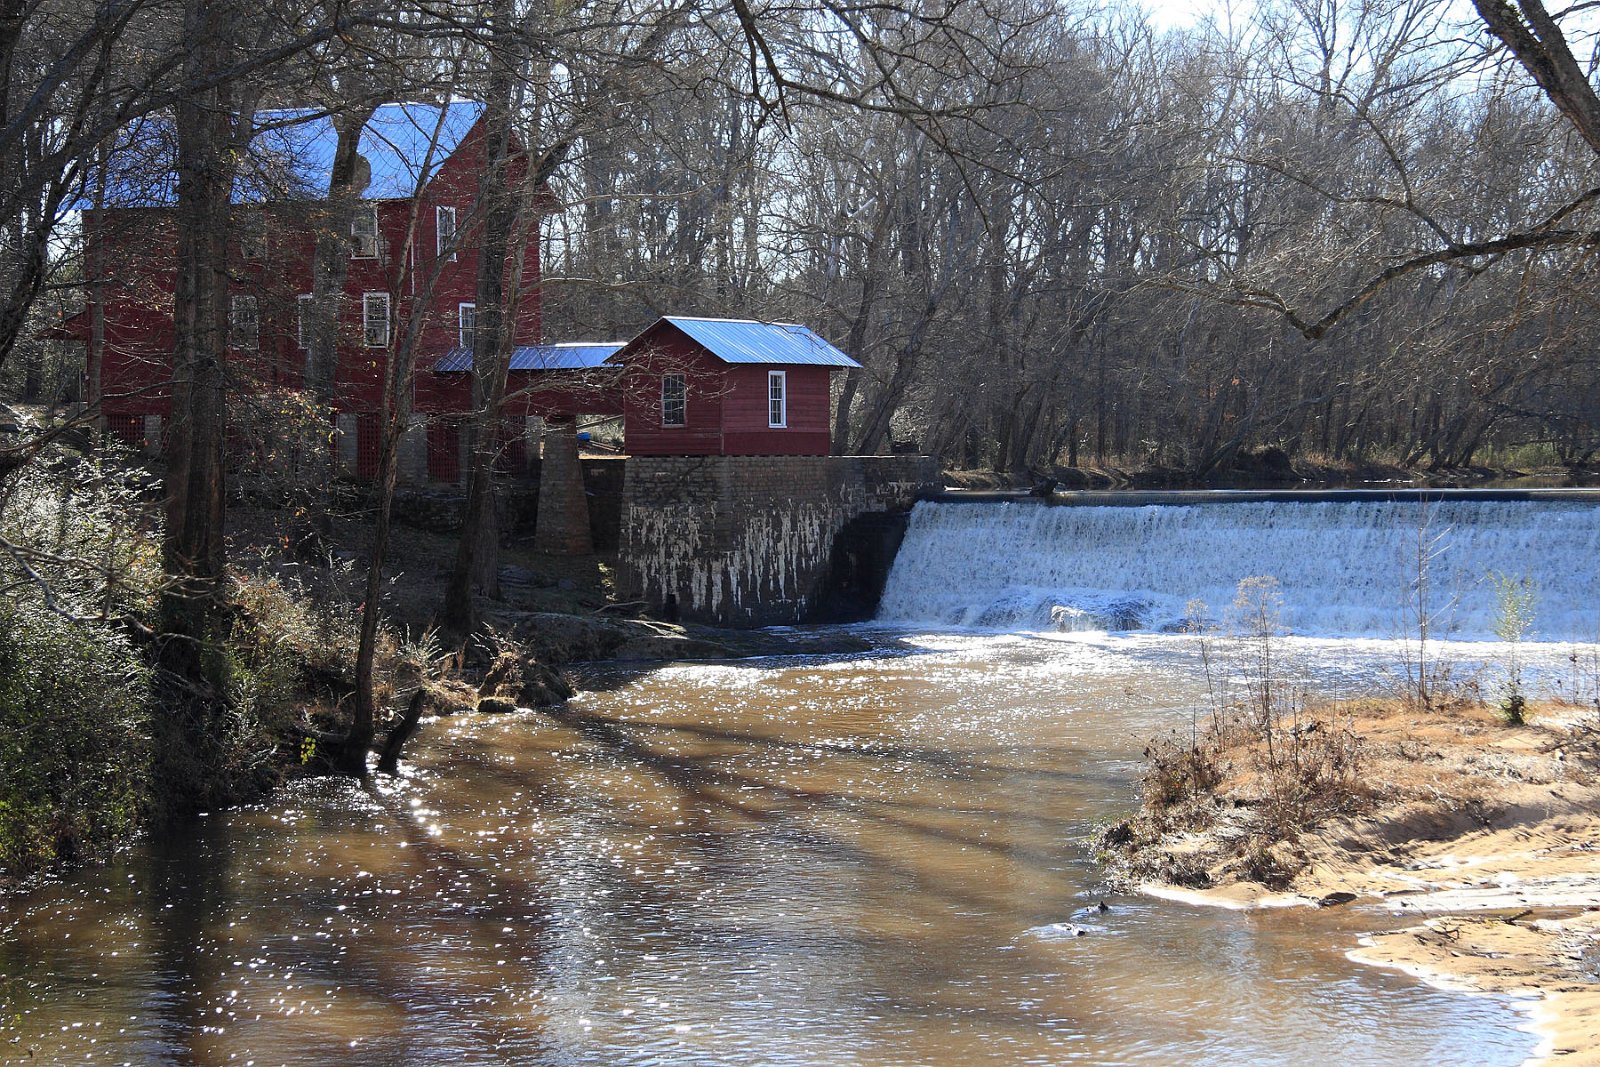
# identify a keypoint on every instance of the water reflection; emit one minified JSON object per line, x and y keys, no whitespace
{"x":800,"y":862}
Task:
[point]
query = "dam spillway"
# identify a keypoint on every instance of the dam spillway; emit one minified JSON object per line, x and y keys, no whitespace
{"x":1347,"y":563}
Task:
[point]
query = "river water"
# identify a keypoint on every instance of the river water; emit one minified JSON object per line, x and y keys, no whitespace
{"x":856,"y":861}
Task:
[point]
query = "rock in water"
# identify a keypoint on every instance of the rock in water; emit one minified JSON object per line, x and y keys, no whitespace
{"x":1067,"y":619}
{"x":1064,"y":931}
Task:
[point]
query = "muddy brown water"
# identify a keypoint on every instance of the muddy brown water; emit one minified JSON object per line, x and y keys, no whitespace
{"x":865,"y":861}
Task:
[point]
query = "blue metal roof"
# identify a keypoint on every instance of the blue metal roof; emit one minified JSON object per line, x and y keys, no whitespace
{"x":583,"y":355}
{"x":292,"y":154}
{"x":748,"y":341}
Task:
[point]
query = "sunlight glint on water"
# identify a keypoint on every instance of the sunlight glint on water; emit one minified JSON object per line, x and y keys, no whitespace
{"x":786,"y":862}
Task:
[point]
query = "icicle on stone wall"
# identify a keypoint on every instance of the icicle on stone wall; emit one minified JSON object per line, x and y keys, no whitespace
{"x":747,"y":540}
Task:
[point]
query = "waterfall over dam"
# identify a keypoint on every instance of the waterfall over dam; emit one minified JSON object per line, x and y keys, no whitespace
{"x":1346,"y":566}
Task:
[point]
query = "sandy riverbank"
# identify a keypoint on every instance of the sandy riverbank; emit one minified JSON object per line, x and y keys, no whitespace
{"x":1482,"y":841}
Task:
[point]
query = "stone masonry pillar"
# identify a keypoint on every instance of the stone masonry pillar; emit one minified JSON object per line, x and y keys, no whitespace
{"x":562,"y":528}
{"x":532,"y":432}
{"x":345,"y":432}
{"x":150,"y":435}
{"x":414,"y":451}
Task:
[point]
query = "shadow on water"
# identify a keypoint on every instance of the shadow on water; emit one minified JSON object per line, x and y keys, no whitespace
{"x":764,"y":798}
{"x":778,"y":866}
{"x":732,"y":781}
{"x":189,"y":867}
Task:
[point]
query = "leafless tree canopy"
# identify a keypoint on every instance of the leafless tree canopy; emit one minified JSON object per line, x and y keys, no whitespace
{"x":1053,"y":233}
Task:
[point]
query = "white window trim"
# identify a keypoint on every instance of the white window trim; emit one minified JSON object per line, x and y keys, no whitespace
{"x":367,"y":211}
{"x":445,"y":249}
{"x":464,"y":337}
{"x":253,"y":239}
{"x":683,"y":383}
{"x":301,"y":304}
{"x":367,"y":300}
{"x":782,"y":398}
{"x":236,"y":338}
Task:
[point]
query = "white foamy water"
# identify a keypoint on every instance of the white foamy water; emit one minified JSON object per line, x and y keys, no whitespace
{"x":1346,"y":568}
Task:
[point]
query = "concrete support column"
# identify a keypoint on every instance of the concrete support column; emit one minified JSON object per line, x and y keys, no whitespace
{"x":414,"y":451}
{"x":150,"y":442}
{"x":562,"y":528}
{"x":533,"y":432}
{"x":344,"y":424}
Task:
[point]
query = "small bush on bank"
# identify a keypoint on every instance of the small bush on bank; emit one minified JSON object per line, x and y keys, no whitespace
{"x":1263,"y":761}
{"x":1515,"y":600}
{"x":285,"y":635}
{"x":82,"y":715}
{"x":81,"y":559}
{"x":74,"y":738}
{"x":1177,"y":772}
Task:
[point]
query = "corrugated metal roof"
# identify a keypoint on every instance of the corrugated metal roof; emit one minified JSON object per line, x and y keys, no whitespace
{"x":291,"y":158}
{"x":582,"y":355}
{"x":748,"y":341}
{"x":454,"y":361}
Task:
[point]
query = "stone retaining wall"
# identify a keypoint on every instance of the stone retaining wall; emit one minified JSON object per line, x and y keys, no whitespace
{"x":749,"y":540}
{"x":439,"y":508}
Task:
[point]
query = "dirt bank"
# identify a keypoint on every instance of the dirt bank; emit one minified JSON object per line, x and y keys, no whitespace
{"x":1481,"y":840}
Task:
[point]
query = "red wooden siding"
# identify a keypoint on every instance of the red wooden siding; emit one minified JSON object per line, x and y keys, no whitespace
{"x":668,"y":351}
{"x":744,"y":420}
{"x":563,"y":393}
{"x":442,"y":392}
{"x":727,"y":403}
{"x":133,"y":251}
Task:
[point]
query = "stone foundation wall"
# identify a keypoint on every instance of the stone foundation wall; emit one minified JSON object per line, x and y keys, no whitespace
{"x":439,"y":508}
{"x":749,"y":540}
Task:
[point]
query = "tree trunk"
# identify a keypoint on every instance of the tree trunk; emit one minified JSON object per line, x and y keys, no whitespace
{"x":331,"y":259}
{"x":330,"y":264}
{"x":492,"y":340}
{"x":351,"y":756}
{"x":192,"y":549}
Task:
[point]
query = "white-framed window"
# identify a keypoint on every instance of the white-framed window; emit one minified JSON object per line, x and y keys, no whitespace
{"x":364,"y":232}
{"x":375,"y":320}
{"x":302,"y":321}
{"x":674,"y":400}
{"x":253,"y":237}
{"x":444,"y":222}
{"x":466,"y":323}
{"x":777,"y":399}
{"x":244,"y":322}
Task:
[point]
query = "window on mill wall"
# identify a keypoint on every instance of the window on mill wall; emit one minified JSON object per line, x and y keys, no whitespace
{"x":364,"y":233}
{"x":674,"y":400}
{"x":375,"y":320}
{"x":777,"y":399}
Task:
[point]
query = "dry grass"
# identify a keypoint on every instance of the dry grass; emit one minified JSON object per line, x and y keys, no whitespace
{"x":1219,"y":810}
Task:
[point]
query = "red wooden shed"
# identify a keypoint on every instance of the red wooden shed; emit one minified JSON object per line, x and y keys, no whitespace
{"x":727,"y":387}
